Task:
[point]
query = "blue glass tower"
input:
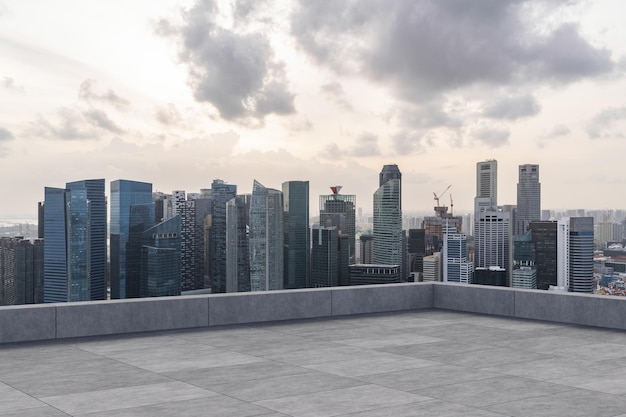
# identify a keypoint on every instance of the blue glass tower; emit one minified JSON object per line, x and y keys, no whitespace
{"x":161,"y":259}
{"x":124,"y":195}
{"x":221,"y":193}
{"x":75,"y":242}
{"x":297,"y":238}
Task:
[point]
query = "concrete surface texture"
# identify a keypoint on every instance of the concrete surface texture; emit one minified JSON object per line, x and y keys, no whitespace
{"x":415,"y":363}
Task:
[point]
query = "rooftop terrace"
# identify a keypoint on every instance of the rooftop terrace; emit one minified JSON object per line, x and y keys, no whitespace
{"x":417,"y":361}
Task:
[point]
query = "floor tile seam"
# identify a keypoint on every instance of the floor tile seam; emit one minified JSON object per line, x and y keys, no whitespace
{"x":486,"y":406}
{"x":623,"y":394}
{"x":480,"y":408}
{"x":353,"y":413}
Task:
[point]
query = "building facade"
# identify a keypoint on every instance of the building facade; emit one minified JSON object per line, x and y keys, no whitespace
{"x":528,"y":198}
{"x":75,"y":245}
{"x":297,"y":235}
{"x":387,"y":230}
{"x":125,"y":194}
{"x":221,"y":193}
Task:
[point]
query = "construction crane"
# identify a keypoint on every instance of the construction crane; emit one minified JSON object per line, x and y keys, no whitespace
{"x":441,"y":210}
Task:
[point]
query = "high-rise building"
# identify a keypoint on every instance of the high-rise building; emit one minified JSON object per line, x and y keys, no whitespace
{"x":388,"y":219}
{"x":575,"y":254}
{"x":339,"y":210}
{"x":161,"y":259}
{"x":21,"y":271}
{"x":487,"y":181}
{"x":524,"y":274}
{"x":456,"y":266}
{"x":221,"y":193}
{"x":330,"y":254}
{"x":297,"y":238}
{"x":367,"y":248}
{"x":75,"y":249}
{"x":237,"y":244}
{"x":544,"y":238}
{"x":528,"y":198}
{"x":432,"y":267}
{"x":266,"y":239}
{"x":492,"y":238}
{"x":125,"y":194}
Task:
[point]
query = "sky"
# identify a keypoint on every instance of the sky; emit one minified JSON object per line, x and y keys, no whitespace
{"x":178,"y":93}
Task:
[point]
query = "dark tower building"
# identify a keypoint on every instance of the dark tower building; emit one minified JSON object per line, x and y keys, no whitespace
{"x":221,"y":193}
{"x":544,"y":237}
{"x":338,"y":210}
{"x":297,"y":236}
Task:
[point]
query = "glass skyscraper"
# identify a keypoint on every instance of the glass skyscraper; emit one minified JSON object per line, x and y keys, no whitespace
{"x":221,"y":193}
{"x":266,"y":239}
{"x":161,"y":259}
{"x":339,"y":210}
{"x":75,"y":242}
{"x":297,"y":236}
{"x":237,"y":244}
{"x":124,"y":195}
{"x":388,"y":218}
{"x":528,"y":198}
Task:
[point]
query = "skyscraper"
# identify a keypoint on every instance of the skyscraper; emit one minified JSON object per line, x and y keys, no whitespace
{"x":575,"y":254}
{"x":266,"y":239}
{"x":75,"y":242}
{"x":297,"y":238}
{"x":339,"y":210}
{"x":487,"y":181}
{"x":21,"y":271}
{"x":388,"y":218}
{"x":456,"y":267}
{"x":237,"y":244}
{"x":528,"y":198}
{"x":544,"y":237}
{"x":125,"y":194}
{"x":492,"y":239}
{"x":161,"y":259}
{"x":221,"y":193}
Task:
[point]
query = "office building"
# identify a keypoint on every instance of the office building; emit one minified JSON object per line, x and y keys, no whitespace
{"x":221,"y":193}
{"x":455,"y":262}
{"x":388,"y":218}
{"x":524,"y":277}
{"x":125,"y":194}
{"x":21,"y":271}
{"x":432,"y":267}
{"x":266,"y":239}
{"x":367,"y":248}
{"x":330,"y":255}
{"x":575,"y":254}
{"x":528,"y":198}
{"x":237,"y":244}
{"x":492,"y":238}
{"x":339,"y":210}
{"x":544,"y":238}
{"x":75,"y":250}
{"x":161,"y":259}
{"x":487,"y":182}
{"x":297,"y":238}
{"x":363,"y":274}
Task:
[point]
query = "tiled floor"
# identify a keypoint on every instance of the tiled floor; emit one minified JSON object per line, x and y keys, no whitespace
{"x":424,"y":363}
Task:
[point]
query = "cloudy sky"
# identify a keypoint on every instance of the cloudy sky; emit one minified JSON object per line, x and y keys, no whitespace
{"x":179,"y":93}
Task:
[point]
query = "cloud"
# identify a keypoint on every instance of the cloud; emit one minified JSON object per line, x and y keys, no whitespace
{"x":5,"y":134}
{"x":86,"y":92}
{"x":409,"y":142}
{"x":235,"y":71}
{"x":9,"y":84}
{"x":427,"y":116}
{"x":74,"y":124}
{"x":604,"y":120}
{"x":492,"y":137}
{"x":557,"y":131}
{"x":335,"y":91}
{"x":513,"y":108}
{"x":100,"y":119}
{"x":422,"y":48}
{"x":365,"y":145}
{"x":168,"y":115}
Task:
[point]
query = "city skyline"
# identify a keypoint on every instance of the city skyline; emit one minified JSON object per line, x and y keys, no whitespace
{"x":180,"y":93}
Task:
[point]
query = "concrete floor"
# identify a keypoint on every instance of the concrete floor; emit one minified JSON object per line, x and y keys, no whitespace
{"x":422,"y":363}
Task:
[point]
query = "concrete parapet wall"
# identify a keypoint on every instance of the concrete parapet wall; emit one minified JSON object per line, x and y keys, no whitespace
{"x":65,"y":320}
{"x":497,"y":301}
{"x":571,"y":308}
{"x":381,"y":298}
{"x":128,"y":316}
{"x":239,"y":308}
{"x":27,"y":323}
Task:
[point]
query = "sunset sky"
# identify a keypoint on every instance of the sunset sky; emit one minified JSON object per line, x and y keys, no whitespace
{"x":179,"y":93}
